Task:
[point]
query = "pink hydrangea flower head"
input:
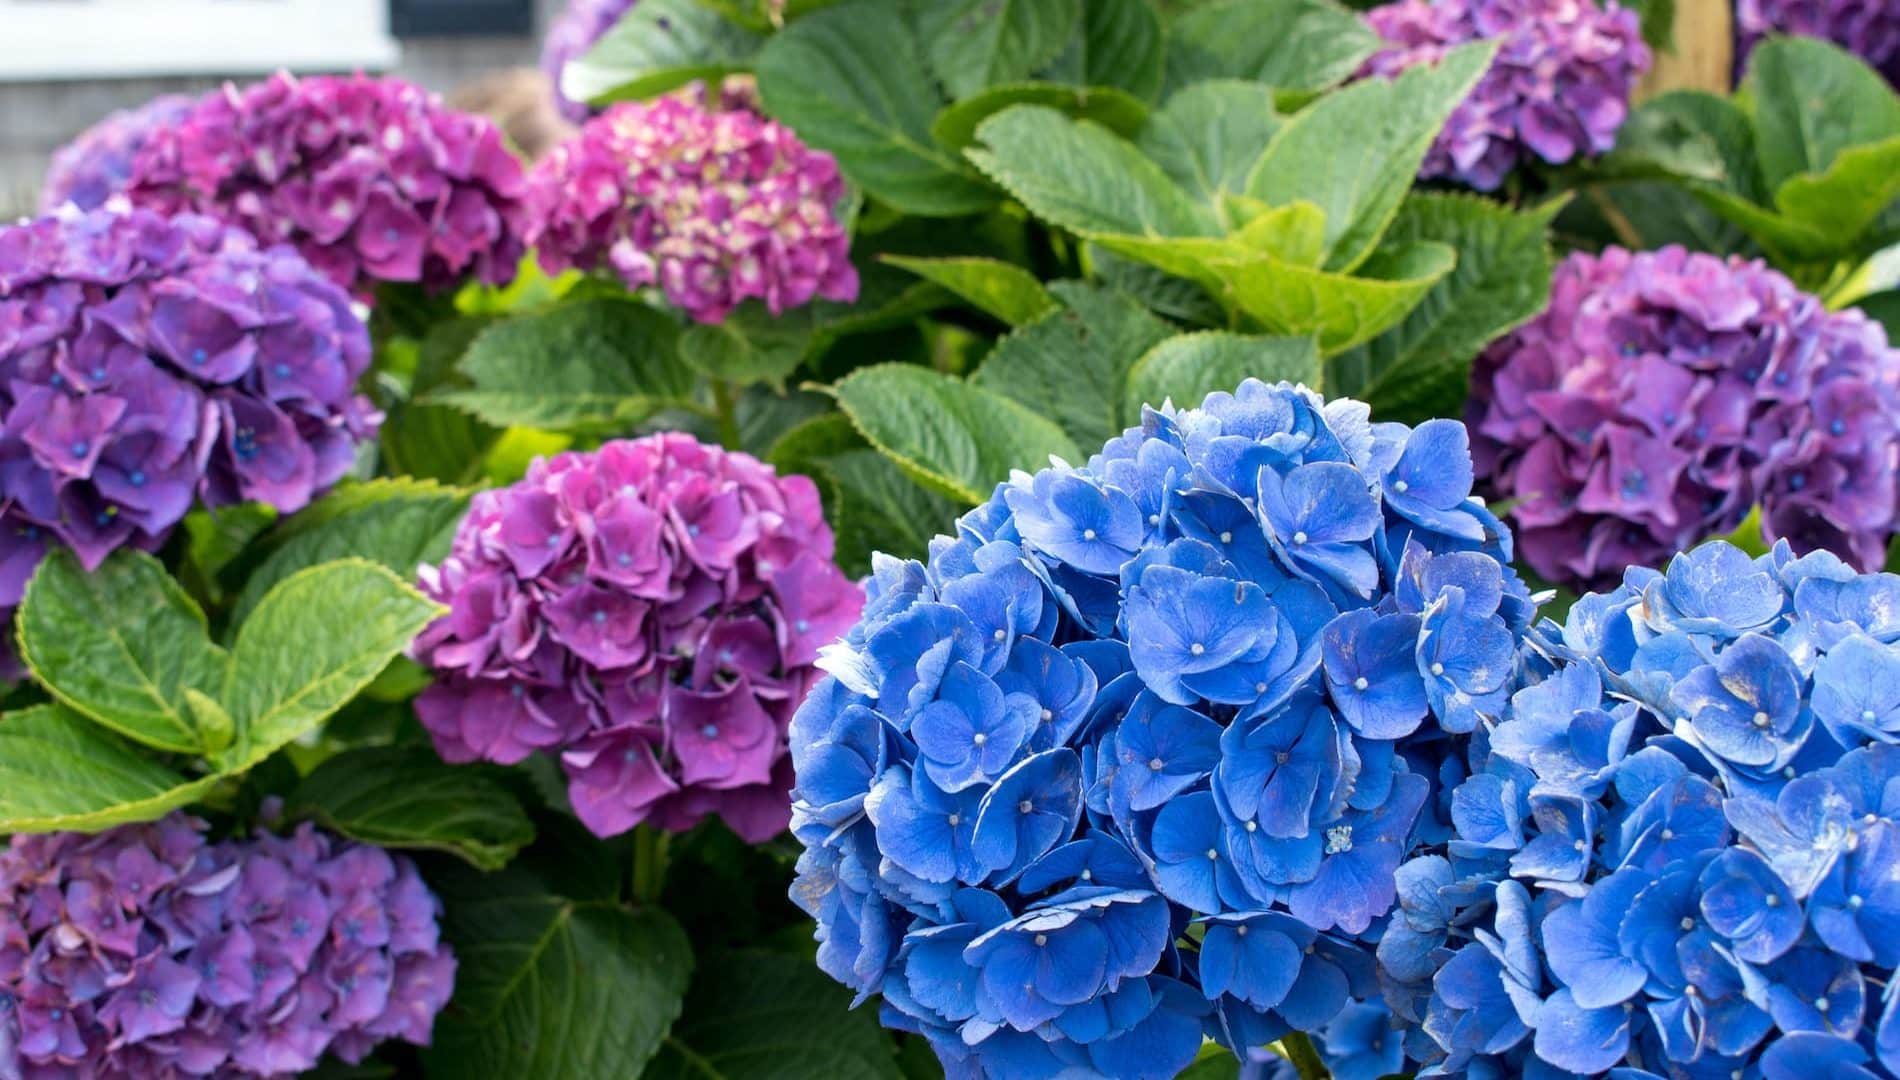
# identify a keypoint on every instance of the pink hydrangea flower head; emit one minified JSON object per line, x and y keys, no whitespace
{"x":374,"y":180}
{"x":1664,"y":395}
{"x":98,"y":164}
{"x":148,"y":952}
{"x":572,"y":34}
{"x":710,"y":203}
{"x":650,"y":612}
{"x":1559,"y":88}
{"x":147,"y":362}
{"x":1870,"y":29}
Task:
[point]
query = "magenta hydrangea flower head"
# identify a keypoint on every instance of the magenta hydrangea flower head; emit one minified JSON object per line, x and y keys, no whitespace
{"x":374,"y":180}
{"x":148,"y":952}
{"x":650,"y":612}
{"x":149,"y":361}
{"x":574,"y":32}
{"x":1558,"y":90}
{"x":1663,"y":395}
{"x":98,"y":164}
{"x":1870,"y":29}
{"x":711,"y":203}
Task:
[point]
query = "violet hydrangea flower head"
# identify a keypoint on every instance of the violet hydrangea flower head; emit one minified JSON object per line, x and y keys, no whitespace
{"x":1680,"y":851}
{"x":1559,"y":88}
{"x":374,"y":180}
{"x":1870,"y":29}
{"x":1664,"y":395}
{"x":650,"y":612}
{"x":711,"y":203}
{"x":1206,"y":679}
{"x":98,"y":164}
{"x":572,"y":34}
{"x":146,"y":951}
{"x":149,"y":362}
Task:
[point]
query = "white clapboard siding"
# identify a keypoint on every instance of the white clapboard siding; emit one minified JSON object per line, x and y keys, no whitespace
{"x":89,"y":39}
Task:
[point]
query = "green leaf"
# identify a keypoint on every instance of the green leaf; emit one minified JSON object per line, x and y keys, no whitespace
{"x":1002,"y":289}
{"x":311,"y":644}
{"x":219,"y":535}
{"x":437,"y":442}
{"x":119,"y":645}
{"x":1421,"y":367}
{"x":1300,"y":45}
{"x":882,"y":510}
{"x":977,"y":44}
{"x":1844,"y":202}
{"x":1883,"y":308}
{"x":954,"y":438}
{"x":1178,"y":298}
{"x":1342,"y":311}
{"x":1116,"y":110}
{"x":1120,"y":43}
{"x":1208,"y":136}
{"x":1072,"y":365}
{"x":757,"y":1015}
{"x":60,"y":772}
{"x":1188,"y":367}
{"x":408,"y":797}
{"x":1692,"y":135}
{"x":1811,"y":100}
{"x":399,"y":523}
{"x":658,"y":46}
{"x":749,"y":346}
{"x":1355,"y":153}
{"x":1083,"y":177}
{"x":553,"y":989}
{"x":591,"y":366}
{"x":851,"y":80}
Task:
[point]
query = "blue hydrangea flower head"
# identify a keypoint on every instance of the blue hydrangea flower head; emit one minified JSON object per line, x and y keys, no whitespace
{"x":1689,"y":807}
{"x":1134,"y":758}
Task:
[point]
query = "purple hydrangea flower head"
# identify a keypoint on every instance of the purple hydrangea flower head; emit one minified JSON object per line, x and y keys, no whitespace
{"x":651,"y":613}
{"x":98,"y":164}
{"x":150,"y":362}
{"x":1678,"y":851}
{"x":573,"y":33}
{"x":146,"y":951}
{"x":710,"y":202}
{"x":374,"y":180}
{"x":1206,"y":679}
{"x":1870,"y":29}
{"x":1558,"y":90}
{"x":1664,"y":395}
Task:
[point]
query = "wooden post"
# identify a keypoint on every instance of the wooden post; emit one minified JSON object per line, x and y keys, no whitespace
{"x":1704,"y":57}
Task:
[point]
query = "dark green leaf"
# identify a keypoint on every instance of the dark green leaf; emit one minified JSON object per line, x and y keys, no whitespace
{"x":1175,"y":297}
{"x":1355,"y":153}
{"x":217,"y":537}
{"x":976,"y":44}
{"x":1208,"y":136}
{"x":1844,"y":202}
{"x":595,"y":365}
{"x":436,"y":442}
{"x":120,"y":645}
{"x":958,"y":439}
{"x":1116,"y":110}
{"x":756,"y":1015}
{"x":1186,"y":368}
{"x":851,"y":80}
{"x":1301,"y":45}
{"x":1002,"y":289}
{"x":1884,"y":308}
{"x":61,"y":772}
{"x":1421,"y":367}
{"x":1083,"y":177}
{"x":749,"y":346}
{"x":1119,"y":43}
{"x":656,"y":47}
{"x":408,"y":797}
{"x":1693,"y":135}
{"x":398,"y":523}
{"x":880,"y":509}
{"x":1811,"y":100}
{"x":765,"y":415}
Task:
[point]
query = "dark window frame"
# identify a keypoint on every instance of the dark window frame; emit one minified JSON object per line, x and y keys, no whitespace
{"x":461,"y":18}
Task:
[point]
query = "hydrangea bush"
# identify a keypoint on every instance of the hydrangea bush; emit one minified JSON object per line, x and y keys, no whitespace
{"x":1664,"y":395}
{"x":374,"y":180}
{"x":1558,"y":90}
{"x":708,"y":201}
{"x":1196,"y":688}
{"x":1677,"y":852}
{"x":1869,"y":29}
{"x":650,"y":612}
{"x":98,"y":164}
{"x":153,"y":362}
{"x":147,"y":951}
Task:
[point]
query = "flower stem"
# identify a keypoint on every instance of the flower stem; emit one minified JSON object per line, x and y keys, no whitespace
{"x":649,"y":863}
{"x":1298,"y":1049}
{"x":726,"y":412}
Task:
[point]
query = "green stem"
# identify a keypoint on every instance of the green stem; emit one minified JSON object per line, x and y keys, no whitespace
{"x":1298,"y":1049}
{"x":649,"y":863}
{"x":726,"y":412}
